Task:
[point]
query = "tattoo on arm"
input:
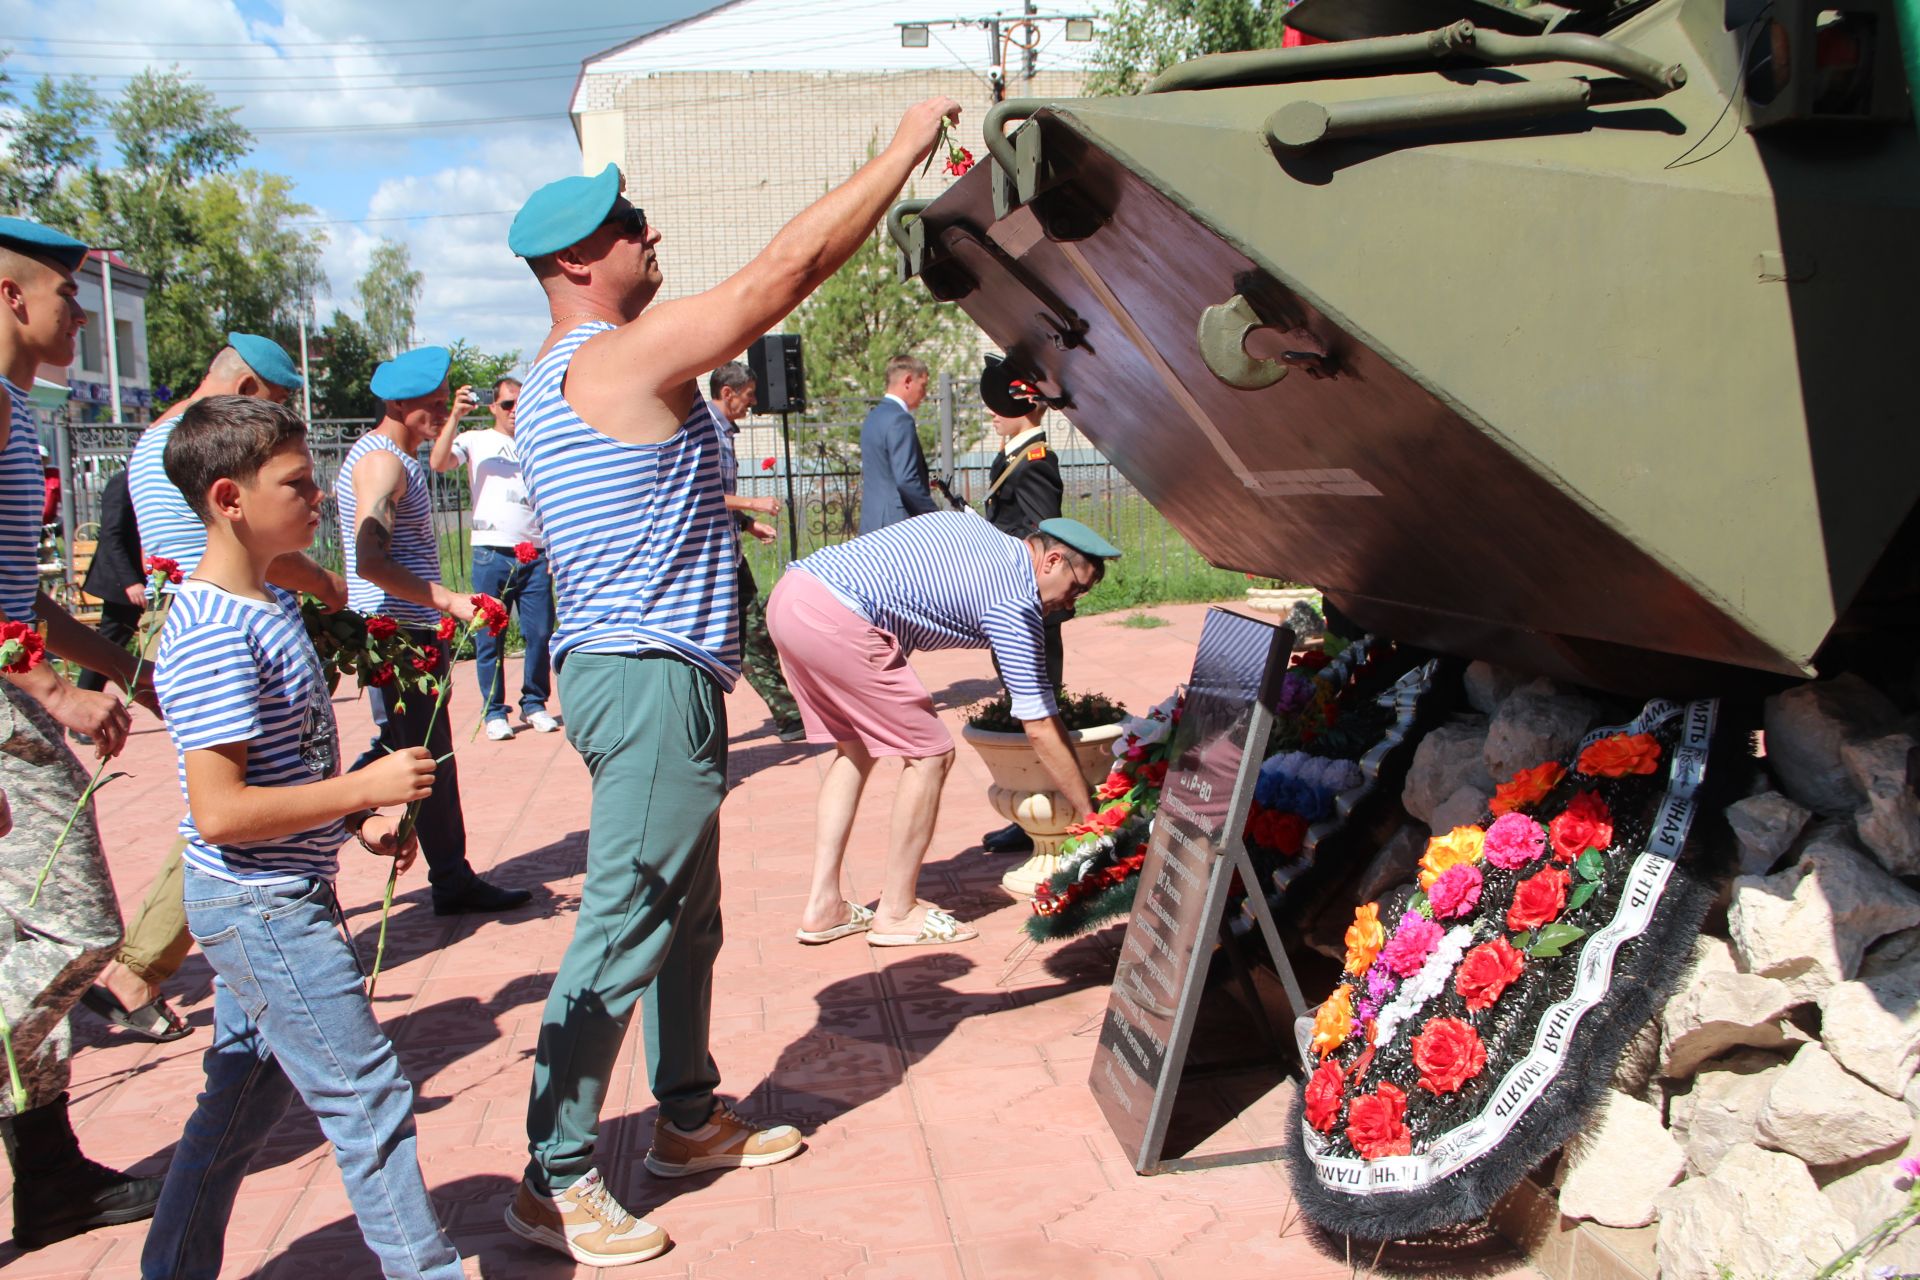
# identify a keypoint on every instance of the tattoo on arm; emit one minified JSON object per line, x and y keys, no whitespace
{"x":376,"y":526}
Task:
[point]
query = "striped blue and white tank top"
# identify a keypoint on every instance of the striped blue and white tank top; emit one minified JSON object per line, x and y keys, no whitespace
{"x":414,"y":548}
{"x":167,"y":524}
{"x":233,"y":670}
{"x":639,"y":537}
{"x":23,"y":495}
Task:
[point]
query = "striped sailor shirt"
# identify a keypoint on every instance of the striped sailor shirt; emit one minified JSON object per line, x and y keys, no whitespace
{"x":23,"y":496}
{"x":639,"y":537}
{"x":413,"y":547}
{"x":948,"y":580}
{"x":232,"y":669}
{"x":167,"y":524}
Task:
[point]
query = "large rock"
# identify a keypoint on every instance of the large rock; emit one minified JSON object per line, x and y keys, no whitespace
{"x":1621,"y":1165}
{"x":1820,"y":1114}
{"x":1867,"y":1196}
{"x":1532,"y":728}
{"x":1722,"y":1108}
{"x":1488,"y":686}
{"x":1872,"y":1026}
{"x":1391,"y":866}
{"x":1806,"y":726}
{"x":1463,"y":808}
{"x":1640,"y":1061}
{"x":1766,"y":826}
{"x":1810,"y":924}
{"x":1888,"y":822}
{"x":1446,"y":760}
{"x":1758,"y":1214}
{"x":1721,"y":1008}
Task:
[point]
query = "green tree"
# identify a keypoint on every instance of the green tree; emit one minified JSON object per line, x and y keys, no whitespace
{"x":48,"y":144}
{"x":389,"y":292}
{"x":343,"y":358}
{"x":1138,"y":39}
{"x":479,"y":369}
{"x":862,"y":317}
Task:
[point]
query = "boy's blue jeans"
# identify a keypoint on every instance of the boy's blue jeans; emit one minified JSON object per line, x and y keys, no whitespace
{"x":290,"y":1015}
{"x":493,"y":568}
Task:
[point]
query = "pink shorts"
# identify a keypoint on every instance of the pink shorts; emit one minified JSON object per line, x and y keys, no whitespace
{"x":851,"y":680}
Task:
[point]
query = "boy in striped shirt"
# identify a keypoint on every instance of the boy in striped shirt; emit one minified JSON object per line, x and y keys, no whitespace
{"x":267,"y":810}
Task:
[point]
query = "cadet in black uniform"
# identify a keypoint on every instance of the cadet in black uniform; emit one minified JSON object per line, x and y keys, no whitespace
{"x":1024,"y":488}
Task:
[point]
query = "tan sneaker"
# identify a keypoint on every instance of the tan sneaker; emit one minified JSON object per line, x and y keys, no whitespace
{"x":725,"y":1141}
{"x":586,"y":1223}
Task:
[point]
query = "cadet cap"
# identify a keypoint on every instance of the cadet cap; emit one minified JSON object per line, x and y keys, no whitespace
{"x":267,"y":358}
{"x":418,"y":372}
{"x":1079,"y":537}
{"x":563,"y":213}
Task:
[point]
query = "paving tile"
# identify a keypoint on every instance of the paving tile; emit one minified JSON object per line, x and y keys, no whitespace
{"x":938,"y":1262}
{"x":1031,"y":1257}
{"x":1016,"y":1199}
{"x":884,"y":1216}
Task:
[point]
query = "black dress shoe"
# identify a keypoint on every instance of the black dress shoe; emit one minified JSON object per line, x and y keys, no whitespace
{"x":57,"y":1191}
{"x":480,"y":896}
{"x":791,"y":732}
{"x":1008,"y":839}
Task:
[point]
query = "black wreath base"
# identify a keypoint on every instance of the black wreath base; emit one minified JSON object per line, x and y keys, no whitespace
{"x":1646,"y":972}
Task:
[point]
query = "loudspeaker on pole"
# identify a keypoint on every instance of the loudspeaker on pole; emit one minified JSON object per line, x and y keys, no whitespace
{"x":780,"y":378}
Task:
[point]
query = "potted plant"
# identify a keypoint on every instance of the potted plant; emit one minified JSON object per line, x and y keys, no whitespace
{"x":1023,"y":792}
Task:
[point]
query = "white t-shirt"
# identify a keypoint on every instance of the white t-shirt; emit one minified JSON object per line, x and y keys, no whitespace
{"x":503,"y":515}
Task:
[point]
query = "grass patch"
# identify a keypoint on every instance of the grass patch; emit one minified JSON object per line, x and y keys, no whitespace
{"x":1143,"y":621}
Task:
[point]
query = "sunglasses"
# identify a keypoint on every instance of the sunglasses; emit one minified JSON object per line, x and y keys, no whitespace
{"x":631,"y":221}
{"x":506,"y":405}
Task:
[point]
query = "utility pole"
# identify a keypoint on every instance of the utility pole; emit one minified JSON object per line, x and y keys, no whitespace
{"x":112,"y":335}
{"x":1033,"y":42}
{"x":306,"y":375}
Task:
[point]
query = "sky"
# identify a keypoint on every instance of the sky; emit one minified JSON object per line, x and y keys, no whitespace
{"x":336,"y":92}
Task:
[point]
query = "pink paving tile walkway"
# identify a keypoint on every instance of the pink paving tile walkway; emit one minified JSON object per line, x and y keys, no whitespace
{"x":943,"y":1092}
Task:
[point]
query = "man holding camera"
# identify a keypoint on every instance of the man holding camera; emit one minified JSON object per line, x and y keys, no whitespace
{"x":503,"y":522}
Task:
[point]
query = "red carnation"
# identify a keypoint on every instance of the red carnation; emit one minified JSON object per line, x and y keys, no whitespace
{"x":423,"y":663}
{"x":1585,"y":825}
{"x":381,"y":627}
{"x":1538,"y":900}
{"x":1376,"y":1124}
{"x":1154,"y":774}
{"x":382,"y":676}
{"x":1448,"y":1053}
{"x":1486,"y":971}
{"x":766,"y":464}
{"x":1323,"y":1096}
{"x":161,"y":567}
{"x":1311,"y":659}
{"x":491,"y":613}
{"x":447,"y":629}
{"x":959,"y":160}
{"x":1116,"y":785}
{"x":21,"y":648}
{"x":526,"y":552}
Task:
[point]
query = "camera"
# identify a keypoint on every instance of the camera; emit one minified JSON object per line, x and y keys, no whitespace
{"x":483,"y":398}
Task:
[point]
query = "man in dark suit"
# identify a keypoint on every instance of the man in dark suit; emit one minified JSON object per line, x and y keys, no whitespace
{"x":893,"y":467}
{"x":115,"y":577}
{"x":1023,"y":488}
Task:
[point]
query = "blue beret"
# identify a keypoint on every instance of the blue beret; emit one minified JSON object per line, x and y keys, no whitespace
{"x":418,"y":372}
{"x":37,"y":241}
{"x":563,"y":213}
{"x":1079,"y":537}
{"x":267,"y":358}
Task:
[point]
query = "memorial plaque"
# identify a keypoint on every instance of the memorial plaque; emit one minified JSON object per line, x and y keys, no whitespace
{"x":1195,"y":849}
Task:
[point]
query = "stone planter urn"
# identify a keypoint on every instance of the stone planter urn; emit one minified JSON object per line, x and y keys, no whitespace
{"x":1023,"y":793}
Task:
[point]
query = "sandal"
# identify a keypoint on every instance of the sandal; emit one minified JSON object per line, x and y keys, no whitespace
{"x":859,"y":920}
{"x":155,"y":1020}
{"x":939,"y":927}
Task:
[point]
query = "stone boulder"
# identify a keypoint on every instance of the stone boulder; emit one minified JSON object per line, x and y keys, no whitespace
{"x":1532,"y":727}
{"x":1821,"y":1115}
{"x":1488,"y":686}
{"x":1463,"y":808}
{"x":1810,"y":924}
{"x":1806,"y":726}
{"x":1449,"y":758}
{"x":1758,"y":1214}
{"x":1721,"y":1008}
{"x":1888,"y":823}
{"x":1765,"y":826}
{"x":1721,"y":1109}
{"x":1639,"y":1061}
{"x":1392,"y":865}
{"x":1620,"y":1165}
{"x":1873,"y":1025}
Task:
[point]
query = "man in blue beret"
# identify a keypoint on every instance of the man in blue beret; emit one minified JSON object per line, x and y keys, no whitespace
{"x":623,"y":461}
{"x":128,"y":992}
{"x":57,"y":938}
{"x":393,"y":568}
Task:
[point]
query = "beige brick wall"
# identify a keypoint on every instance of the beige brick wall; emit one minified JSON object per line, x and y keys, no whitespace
{"x":721,"y":160}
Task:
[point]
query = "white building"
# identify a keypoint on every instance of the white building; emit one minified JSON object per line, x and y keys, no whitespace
{"x":88,"y":375}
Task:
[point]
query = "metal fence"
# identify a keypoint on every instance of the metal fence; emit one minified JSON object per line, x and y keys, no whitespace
{"x":815,"y":473}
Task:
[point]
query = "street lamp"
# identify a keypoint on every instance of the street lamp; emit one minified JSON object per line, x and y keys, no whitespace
{"x":913,"y":35}
{"x":1079,"y":30}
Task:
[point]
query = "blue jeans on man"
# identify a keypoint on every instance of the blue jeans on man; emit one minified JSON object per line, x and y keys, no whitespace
{"x":532,"y":601}
{"x":291,"y":1016}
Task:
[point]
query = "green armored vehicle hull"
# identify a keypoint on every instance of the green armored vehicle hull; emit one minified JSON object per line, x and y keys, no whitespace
{"x":1589,"y":351}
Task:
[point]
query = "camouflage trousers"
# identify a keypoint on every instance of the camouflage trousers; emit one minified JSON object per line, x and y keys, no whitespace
{"x":759,"y":660}
{"x":50,"y":952}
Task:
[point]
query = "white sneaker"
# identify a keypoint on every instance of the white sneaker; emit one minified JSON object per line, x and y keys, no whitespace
{"x":586,"y":1223}
{"x":499,"y":730}
{"x":541,"y":721}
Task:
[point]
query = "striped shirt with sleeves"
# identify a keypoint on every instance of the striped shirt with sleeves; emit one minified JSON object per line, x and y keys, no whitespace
{"x":948,"y":580}
{"x":23,"y":495}
{"x":639,"y":537}
{"x":232,"y":669}
{"x":167,"y":524}
{"x":413,"y":546}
